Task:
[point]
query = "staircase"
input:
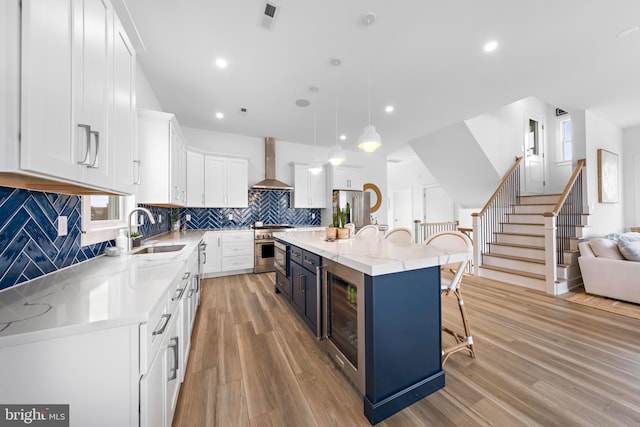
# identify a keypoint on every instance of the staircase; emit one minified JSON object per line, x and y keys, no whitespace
{"x":517,"y":254}
{"x":531,"y":241}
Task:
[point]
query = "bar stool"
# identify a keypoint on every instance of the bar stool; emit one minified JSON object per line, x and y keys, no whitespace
{"x":368,"y":232}
{"x":455,"y":241}
{"x":399,"y":235}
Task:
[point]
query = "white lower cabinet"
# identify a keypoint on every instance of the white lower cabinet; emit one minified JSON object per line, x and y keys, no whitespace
{"x":133,"y":370}
{"x":228,"y":252}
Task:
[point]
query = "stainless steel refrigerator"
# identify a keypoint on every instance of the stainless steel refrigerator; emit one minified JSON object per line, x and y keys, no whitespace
{"x":355,"y":205}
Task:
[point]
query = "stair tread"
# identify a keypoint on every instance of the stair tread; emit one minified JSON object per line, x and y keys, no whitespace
{"x":508,"y":233}
{"x":515,"y":258}
{"x":523,"y":223}
{"x":512,"y":271}
{"x":533,"y":204}
{"x":516,"y":245}
{"x":526,"y":213}
{"x":540,"y":195}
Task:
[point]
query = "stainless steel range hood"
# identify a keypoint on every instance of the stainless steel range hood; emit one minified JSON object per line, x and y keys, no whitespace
{"x":270,"y":182}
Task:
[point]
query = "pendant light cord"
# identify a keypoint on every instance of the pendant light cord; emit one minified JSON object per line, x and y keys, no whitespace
{"x":369,"y":65}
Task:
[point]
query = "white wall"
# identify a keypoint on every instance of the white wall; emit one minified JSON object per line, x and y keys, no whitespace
{"x":410,"y":173}
{"x":252,"y":148}
{"x":631,"y":176}
{"x":145,"y":95}
{"x":500,"y":133}
{"x":604,"y":217}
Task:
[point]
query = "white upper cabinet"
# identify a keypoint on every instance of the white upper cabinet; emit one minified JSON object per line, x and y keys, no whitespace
{"x":346,"y":178}
{"x":226,"y":182}
{"x":76,"y":80}
{"x":49,"y":135}
{"x":309,"y":189}
{"x":195,"y":179}
{"x":163,"y":159}
{"x":126,"y":165}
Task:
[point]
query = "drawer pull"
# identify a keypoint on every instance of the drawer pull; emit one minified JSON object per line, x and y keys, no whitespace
{"x":174,"y":370}
{"x":186,"y":275}
{"x":178,"y":294}
{"x":164,"y":321}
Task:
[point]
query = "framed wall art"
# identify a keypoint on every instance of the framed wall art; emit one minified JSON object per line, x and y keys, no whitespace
{"x":608,"y":188}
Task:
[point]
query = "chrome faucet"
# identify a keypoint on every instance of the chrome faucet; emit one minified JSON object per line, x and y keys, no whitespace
{"x":149,"y":214}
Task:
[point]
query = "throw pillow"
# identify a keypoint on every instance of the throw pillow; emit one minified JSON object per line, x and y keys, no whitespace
{"x":630,"y":250}
{"x":605,"y":248}
{"x":629,"y":237}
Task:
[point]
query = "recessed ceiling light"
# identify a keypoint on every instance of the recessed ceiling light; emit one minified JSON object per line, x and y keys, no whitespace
{"x":491,"y":46}
{"x":220,"y":115}
{"x":343,"y":137}
{"x":221,"y":63}
{"x":389,"y":108}
{"x":627,"y":32}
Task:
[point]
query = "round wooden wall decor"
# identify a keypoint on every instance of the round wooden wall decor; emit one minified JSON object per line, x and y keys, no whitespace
{"x":369,"y":186}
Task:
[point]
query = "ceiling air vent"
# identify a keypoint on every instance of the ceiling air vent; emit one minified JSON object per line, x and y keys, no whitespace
{"x":269,"y":16}
{"x":560,"y":112}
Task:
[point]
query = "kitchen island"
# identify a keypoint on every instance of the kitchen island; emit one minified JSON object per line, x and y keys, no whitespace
{"x":399,"y":306}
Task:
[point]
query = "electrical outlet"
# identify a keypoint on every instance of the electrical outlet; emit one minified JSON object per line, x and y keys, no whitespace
{"x":230,"y":217}
{"x":141,"y":220}
{"x":313,"y":216}
{"x":188,"y":216}
{"x":159,"y":219}
{"x":62,"y":226}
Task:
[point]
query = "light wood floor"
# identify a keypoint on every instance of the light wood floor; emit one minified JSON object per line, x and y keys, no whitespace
{"x":541,"y":361}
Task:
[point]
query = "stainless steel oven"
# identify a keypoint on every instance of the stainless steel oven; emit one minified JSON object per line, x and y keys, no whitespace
{"x":264,"y":247}
{"x":344,"y":320}
{"x":280,"y":258}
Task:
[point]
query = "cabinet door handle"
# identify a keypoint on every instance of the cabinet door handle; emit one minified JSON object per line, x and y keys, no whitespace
{"x":139,"y":179}
{"x":190,"y":294}
{"x":303,"y":283}
{"x":174,"y":370}
{"x":178,"y":294}
{"x":96,"y":134}
{"x":204,"y":254}
{"x":164,"y":321}
{"x":186,"y":275}
{"x":197,"y":279}
{"x":87,"y":132}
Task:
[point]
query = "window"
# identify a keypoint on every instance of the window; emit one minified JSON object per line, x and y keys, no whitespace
{"x":564,"y":140}
{"x":566,"y":133}
{"x":103,"y":217}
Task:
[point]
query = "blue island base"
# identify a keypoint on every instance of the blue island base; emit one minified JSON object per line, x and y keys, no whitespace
{"x":384,"y":409}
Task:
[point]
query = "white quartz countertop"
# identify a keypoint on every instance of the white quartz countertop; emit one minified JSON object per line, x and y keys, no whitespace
{"x":100,"y":293}
{"x":372,"y":257}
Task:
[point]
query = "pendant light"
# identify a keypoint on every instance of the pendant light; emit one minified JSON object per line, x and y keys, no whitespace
{"x":369,"y":141}
{"x":315,"y":167}
{"x":336,"y":155}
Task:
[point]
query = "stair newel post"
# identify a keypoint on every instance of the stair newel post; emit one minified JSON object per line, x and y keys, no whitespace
{"x":478,"y":244}
{"x":550,"y":254}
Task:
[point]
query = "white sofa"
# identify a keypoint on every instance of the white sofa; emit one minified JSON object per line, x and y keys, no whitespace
{"x":606,"y":271}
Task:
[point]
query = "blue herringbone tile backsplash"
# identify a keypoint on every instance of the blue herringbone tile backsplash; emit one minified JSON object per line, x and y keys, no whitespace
{"x":268,"y":206}
{"x":30,"y":246}
{"x":29,"y":241}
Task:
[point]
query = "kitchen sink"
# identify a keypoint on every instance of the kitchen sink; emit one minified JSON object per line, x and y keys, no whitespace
{"x":159,"y":249}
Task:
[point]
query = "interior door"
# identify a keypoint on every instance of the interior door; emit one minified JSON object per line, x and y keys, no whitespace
{"x":534,"y":155}
{"x":438,"y":206}
{"x":402,"y":208}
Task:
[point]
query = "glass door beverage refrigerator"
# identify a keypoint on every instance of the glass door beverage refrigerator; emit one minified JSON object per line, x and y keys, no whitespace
{"x":344,"y":320}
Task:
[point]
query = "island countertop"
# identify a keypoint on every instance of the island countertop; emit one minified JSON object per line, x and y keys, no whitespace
{"x":372,"y":257}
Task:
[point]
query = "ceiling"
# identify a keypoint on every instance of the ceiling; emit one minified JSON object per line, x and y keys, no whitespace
{"x":425,"y":58}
